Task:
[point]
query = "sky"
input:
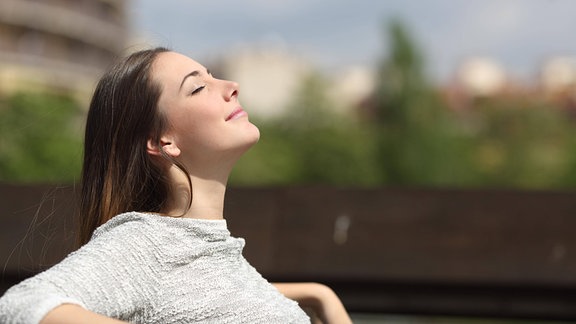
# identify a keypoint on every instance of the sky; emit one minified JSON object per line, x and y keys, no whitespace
{"x":335,"y":34}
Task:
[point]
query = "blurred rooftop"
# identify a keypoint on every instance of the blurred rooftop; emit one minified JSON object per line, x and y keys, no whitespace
{"x":61,"y":45}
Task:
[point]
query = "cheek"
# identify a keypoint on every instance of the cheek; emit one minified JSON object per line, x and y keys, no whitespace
{"x":186,"y":119}
{"x":198,"y":128}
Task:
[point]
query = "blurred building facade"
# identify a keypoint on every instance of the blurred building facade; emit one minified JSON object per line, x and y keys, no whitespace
{"x":481,"y":77}
{"x":558,"y":75}
{"x":59,"y":45}
{"x":270,"y":78}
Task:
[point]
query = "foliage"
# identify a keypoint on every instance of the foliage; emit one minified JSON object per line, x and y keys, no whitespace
{"x":419,"y":141}
{"x":40,"y":138}
{"x":523,"y":143}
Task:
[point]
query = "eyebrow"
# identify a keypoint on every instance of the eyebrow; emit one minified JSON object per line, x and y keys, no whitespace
{"x":193,"y":73}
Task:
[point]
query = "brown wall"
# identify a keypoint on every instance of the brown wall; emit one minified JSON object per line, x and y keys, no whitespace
{"x":474,"y":252}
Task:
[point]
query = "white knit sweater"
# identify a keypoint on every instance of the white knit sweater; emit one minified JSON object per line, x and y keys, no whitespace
{"x":145,"y":268}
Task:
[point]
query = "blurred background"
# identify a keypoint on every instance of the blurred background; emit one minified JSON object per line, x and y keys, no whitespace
{"x":444,"y":93}
{"x":441,"y":94}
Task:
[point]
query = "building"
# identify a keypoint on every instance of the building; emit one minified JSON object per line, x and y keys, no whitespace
{"x":481,"y":77}
{"x":558,"y":75}
{"x":59,"y":45}
{"x":271,"y":77}
{"x":268,"y":77}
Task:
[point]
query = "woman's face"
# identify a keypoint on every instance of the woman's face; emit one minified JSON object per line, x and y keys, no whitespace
{"x":206,"y":121}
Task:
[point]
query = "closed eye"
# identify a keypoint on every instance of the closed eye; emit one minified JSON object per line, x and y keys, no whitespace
{"x":195,"y":91}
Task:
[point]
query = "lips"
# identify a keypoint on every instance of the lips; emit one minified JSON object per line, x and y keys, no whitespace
{"x":237,"y":113}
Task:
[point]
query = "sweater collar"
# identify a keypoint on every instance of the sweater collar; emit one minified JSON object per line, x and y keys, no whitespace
{"x":207,"y":230}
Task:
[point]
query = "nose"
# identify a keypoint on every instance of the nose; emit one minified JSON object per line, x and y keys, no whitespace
{"x":231,"y":90}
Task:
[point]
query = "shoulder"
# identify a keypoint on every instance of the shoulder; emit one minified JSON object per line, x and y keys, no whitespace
{"x":127,"y":234}
{"x":126,"y":222}
{"x":124,"y":241}
{"x":134,"y":228}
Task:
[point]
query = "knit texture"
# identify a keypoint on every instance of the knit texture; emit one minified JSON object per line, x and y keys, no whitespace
{"x":145,"y":268}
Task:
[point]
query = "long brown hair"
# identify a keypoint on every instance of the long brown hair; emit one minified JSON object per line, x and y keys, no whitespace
{"x":118,"y":174}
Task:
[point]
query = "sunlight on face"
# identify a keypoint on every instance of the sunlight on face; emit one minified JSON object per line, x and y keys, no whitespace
{"x":206,"y":119}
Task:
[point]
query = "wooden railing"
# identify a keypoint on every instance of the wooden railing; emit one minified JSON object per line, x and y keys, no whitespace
{"x":489,"y":253}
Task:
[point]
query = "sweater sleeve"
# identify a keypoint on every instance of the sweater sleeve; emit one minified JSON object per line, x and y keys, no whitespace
{"x":112,"y":275}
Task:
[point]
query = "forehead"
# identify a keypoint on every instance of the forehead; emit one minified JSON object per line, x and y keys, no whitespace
{"x":170,"y":67}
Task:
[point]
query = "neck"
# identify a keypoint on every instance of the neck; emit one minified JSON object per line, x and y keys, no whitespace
{"x":207,"y":199}
{"x":207,"y":196}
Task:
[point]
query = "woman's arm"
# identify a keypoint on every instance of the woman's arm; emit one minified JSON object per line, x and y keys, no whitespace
{"x":320,"y":298}
{"x":107,"y":276}
{"x":71,"y":314}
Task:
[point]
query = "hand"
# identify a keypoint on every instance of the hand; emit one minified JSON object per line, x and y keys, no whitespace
{"x":69,"y":313}
{"x":320,"y":298}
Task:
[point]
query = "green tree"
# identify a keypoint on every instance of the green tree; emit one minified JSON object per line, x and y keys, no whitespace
{"x":40,"y":138}
{"x":401,"y":84}
{"x":420,"y":141}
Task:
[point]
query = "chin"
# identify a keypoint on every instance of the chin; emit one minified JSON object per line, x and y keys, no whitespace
{"x":254,"y":139}
{"x":250,"y":137}
{"x":246,"y":139}
{"x":254,"y":134}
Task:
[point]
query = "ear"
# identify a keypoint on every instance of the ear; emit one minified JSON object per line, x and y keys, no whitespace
{"x":167,"y":145}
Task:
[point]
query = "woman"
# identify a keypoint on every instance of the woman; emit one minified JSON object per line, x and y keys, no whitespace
{"x":162,"y":136}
